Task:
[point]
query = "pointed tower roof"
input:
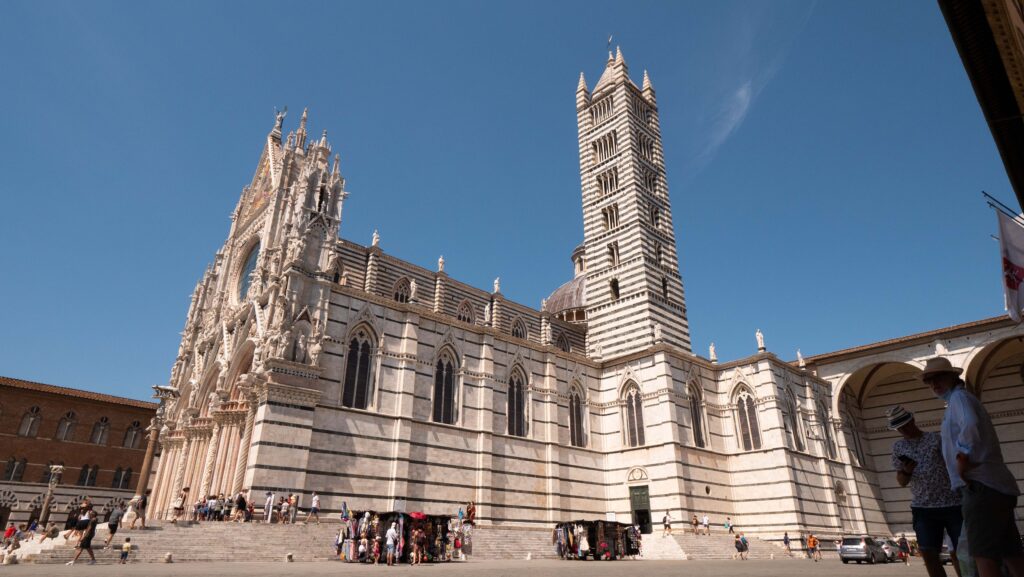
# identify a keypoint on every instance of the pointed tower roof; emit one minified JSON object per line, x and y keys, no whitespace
{"x":582,"y":85}
{"x":647,"y":82}
{"x":618,"y":56}
{"x":608,"y":75}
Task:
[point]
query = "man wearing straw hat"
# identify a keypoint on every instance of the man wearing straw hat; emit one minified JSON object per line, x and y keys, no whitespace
{"x":975,"y":465}
{"x":917,"y":458}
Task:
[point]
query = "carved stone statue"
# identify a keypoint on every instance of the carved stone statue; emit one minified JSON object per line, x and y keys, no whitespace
{"x":497,"y":284}
{"x":657,"y":333}
{"x":193,"y":396}
{"x":213,"y":404}
{"x":299,"y":355}
{"x":440,"y":263}
{"x":279,"y":118}
{"x":412,"y":290}
{"x":543,"y":304}
{"x":760,"y":340}
{"x":376,"y":239}
{"x":712,"y":356}
{"x":286,"y":340}
{"x":315,"y":348}
{"x":800,"y":359}
{"x":487,"y":313}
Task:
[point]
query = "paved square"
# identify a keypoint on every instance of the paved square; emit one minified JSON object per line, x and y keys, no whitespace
{"x":776,"y":568}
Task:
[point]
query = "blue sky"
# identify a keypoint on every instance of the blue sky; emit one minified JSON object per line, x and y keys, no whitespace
{"x":824,"y":161}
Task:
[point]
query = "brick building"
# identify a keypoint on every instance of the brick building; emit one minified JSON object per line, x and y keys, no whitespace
{"x":100,"y":440}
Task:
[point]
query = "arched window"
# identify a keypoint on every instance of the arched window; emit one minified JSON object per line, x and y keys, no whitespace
{"x":517,"y":416}
{"x":577,"y":418}
{"x":659,"y":254}
{"x":613,"y":285}
{"x":697,"y":415}
{"x":87,"y":476}
{"x":122,"y":478}
{"x":792,"y":421}
{"x":15,"y":469}
{"x":245,"y":277}
{"x":519,"y":329}
{"x":750,"y":430}
{"x":465,"y":313}
{"x":853,"y":426}
{"x":444,"y":389}
{"x":132,"y":435}
{"x":634,"y":424}
{"x":30,"y":423}
{"x":100,"y":432}
{"x":563,"y":343}
{"x":358,"y":371}
{"x":402,"y":290}
{"x":66,"y":427}
{"x":826,"y":430}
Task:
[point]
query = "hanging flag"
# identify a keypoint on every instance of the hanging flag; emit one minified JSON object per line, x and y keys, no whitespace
{"x":1011,"y":245}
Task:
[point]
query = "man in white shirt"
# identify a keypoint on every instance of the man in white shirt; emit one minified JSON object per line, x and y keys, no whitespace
{"x":975,"y":464}
{"x":706,"y":521}
{"x":392,"y":540}
{"x":314,"y":509}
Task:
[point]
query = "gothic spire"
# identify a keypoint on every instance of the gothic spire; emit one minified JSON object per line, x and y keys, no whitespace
{"x":647,"y":82}
{"x":300,"y":136}
{"x":582,"y":86}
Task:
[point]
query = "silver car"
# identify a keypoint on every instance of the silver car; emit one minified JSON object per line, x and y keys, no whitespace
{"x":891,"y":548}
{"x":861,"y":549}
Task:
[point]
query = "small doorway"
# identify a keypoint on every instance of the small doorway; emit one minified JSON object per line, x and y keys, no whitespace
{"x":640,"y":505}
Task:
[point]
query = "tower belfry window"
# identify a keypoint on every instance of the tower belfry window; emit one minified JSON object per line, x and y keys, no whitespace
{"x":613,"y":254}
{"x":601,"y":110}
{"x":611,"y":216}
{"x":605,"y":147}
{"x":613,"y":286}
{"x":608,"y":181}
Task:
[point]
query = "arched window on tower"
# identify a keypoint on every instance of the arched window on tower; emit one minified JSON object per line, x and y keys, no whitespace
{"x":402,"y":290}
{"x":659,"y":254}
{"x":746,"y":413}
{"x":519,"y":329}
{"x":30,"y":423}
{"x":66,"y":427}
{"x":465,"y":313}
{"x":664,"y":287}
{"x":792,"y":421}
{"x":634,"y":415}
{"x":826,"y":430}
{"x":356,"y":392}
{"x":517,"y":404}
{"x":613,"y":254}
{"x":613,"y":286}
{"x":132,"y":435}
{"x":100,"y":431}
{"x":697,"y":415}
{"x":444,"y":389}
{"x":577,"y":417}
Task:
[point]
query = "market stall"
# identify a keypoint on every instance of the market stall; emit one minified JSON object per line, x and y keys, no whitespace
{"x":602,"y":540}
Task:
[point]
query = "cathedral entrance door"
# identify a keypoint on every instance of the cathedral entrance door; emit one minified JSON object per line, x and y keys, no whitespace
{"x":640,"y":505}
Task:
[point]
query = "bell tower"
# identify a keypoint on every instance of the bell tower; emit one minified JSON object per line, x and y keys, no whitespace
{"x":634,"y":292}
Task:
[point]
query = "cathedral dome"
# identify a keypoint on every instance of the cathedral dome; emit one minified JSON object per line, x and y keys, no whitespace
{"x":569,"y":296}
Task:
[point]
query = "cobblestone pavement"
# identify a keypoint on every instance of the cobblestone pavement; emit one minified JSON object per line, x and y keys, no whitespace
{"x":776,"y":568}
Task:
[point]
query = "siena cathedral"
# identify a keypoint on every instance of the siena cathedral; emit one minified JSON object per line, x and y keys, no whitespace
{"x":310,"y":362}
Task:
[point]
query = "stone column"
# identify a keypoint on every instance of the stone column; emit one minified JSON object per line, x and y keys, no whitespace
{"x":179,"y":473}
{"x":439,"y":292}
{"x":370,"y":284}
{"x":211,"y":455}
{"x":147,"y":461}
{"x":243,"y":446}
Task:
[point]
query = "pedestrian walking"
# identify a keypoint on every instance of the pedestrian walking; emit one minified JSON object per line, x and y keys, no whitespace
{"x":179,"y":505}
{"x":905,"y":550}
{"x":812,"y":548}
{"x":696,"y":524}
{"x":284,"y":510}
{"x":706,"y":524}
{"x":786,"y":545}
{"x":934,"y":506}
{"x":241,"y":506}
{"x":140,"y":506}
{"x":85,"y":542}
{"x":314,"y":509}
{"x":126,"y":549}
{"x":728,"y":526}
{"x":974,"y":462}
{"x":113,"y":523}
{"x":666,"y":523}
{"x":293,"y":507}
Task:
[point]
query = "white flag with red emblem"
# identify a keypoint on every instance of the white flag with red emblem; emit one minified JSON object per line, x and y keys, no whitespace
{"x":1011,"y":244}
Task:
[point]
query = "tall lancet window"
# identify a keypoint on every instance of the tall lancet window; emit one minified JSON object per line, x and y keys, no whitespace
{"x":358,"y":371}
{"x":826,"y":430}
{"x":697,"y":415}
{"x":245,"y":278}
{"x":444,"y":389}
{"x":577,"y":418}
{"x":517,"y":416}
{"x":634,"y":425}
{"x":792,"y":417}
{"x":749,"y":429}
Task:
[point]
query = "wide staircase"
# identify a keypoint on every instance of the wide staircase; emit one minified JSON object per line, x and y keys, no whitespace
{"x":719,"y":546}
{"x":214,"y":541}
{"x":654,"y":547}
{"x":499,"y":542}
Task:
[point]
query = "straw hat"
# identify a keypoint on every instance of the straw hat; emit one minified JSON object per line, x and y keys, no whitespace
{"x":898,"y":416}
{"x":937,"y":366}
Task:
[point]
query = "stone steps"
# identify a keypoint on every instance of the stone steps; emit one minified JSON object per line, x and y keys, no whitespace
{"x":722,"y":547}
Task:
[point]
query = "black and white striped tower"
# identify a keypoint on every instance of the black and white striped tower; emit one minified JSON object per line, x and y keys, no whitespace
{"x":634,"y":293}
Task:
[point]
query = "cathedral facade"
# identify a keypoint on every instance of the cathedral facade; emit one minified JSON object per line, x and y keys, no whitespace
{"x":313,"y":363}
